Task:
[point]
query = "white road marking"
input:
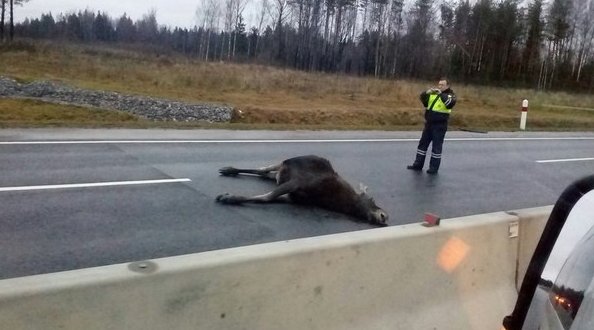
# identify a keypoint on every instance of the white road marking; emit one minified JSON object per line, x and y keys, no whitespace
{"x":563,"y":160}
{"x":281,"y":140}
{"x":91,"y":185}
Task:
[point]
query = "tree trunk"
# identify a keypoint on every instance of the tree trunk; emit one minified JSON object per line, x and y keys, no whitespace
{"x":313,"y":38}
{"x":207,"y":46}
{"x":326,"y":37}
{"x":3,"y":2}
{"x":11,"y":20}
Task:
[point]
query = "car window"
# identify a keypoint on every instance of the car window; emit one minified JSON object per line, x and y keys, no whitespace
{"x":573,"y":280}
{"x":585,"y":320}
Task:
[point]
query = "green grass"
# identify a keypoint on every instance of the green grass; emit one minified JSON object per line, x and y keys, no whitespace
{"x":33,"y":113}
{"x":268,"y":97}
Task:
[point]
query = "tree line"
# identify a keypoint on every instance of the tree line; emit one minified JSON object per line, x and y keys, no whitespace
{"x":536,"y":43}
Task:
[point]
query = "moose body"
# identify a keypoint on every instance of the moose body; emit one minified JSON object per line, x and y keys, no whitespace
{"x":309,"y":180}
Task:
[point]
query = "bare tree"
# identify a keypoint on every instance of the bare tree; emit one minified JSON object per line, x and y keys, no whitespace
{"x":341,"y":7}
{"x":364,"y":7}
{"x":12,"y":4}
{"x":300,"y":9}
{"x":379,"y":17}
{"x":394,"y":29}
{"x":280,"y":13}
{"x":352,"y":20}
{"x":265,"y":7}
{"x":419,"y":36}
{"x":238,"y":8}
{"x":228,"y":22}
{"x":11,"y":33}
{"x":207,"y":15}
{"x":583,"y":18}
{"x":333,"y":29}
{"x":233,"y":11}
{"x":3,"y":4}
{"x":557,"y":30}
{"x":313,"y":33}
{"x":531,"y":52}
{"x":201,"y":22}
{"x":307,"y":15}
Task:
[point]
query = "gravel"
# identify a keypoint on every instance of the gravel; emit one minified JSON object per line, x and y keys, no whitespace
{"x":147,"y":107}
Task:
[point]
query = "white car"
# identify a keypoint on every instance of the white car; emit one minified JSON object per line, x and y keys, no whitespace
{"x":558,"y":289}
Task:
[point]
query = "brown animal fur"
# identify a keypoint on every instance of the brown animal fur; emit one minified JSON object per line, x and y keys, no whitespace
{"x":309,"y":180}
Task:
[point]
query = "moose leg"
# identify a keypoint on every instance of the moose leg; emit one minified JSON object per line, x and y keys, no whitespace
{"x":269,"y":197}
{"x":267,"y":172}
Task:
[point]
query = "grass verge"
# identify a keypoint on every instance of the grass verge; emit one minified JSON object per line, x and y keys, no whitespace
{"x":268,"y":97}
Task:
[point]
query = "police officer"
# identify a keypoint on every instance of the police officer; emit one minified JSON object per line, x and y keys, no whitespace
{"x":438,"y":104}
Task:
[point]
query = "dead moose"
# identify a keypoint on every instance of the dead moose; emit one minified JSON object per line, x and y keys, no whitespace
{"x":309,"y":180}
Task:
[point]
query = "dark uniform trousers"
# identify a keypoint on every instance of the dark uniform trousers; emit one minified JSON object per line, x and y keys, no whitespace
{"x":434,"y":132}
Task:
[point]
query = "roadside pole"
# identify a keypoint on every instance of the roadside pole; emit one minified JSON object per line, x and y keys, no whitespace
{"x":524,"y":115}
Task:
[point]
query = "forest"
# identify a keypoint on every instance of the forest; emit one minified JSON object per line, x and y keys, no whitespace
{"x":537,"y":44}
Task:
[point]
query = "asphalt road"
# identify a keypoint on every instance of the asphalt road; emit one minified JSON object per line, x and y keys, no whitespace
{"x":47,"y":225}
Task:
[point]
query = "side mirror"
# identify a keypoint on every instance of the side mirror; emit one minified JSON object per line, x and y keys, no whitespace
{"x":559,"y":278}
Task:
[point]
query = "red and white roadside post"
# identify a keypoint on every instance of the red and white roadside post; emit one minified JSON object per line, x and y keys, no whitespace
{"x":524,"y":115}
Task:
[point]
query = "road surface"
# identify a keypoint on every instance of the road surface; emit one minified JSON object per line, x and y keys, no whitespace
{"x":75,"y":198}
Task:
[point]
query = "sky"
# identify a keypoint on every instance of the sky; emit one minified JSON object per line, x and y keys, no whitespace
{"x":180,"y":13}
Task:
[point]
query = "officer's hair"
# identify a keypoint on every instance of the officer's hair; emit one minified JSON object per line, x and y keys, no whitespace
{"x":446,"y":80}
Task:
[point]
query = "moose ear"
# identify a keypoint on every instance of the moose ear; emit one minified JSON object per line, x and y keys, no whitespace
{"x":362,"y":188}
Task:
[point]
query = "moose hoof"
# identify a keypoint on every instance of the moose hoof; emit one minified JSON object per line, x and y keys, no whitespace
{"x":228,"y":171}
{"x":227,"y":199}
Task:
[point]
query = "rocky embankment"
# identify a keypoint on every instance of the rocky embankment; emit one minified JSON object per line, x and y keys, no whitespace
{"x":147,"y":107}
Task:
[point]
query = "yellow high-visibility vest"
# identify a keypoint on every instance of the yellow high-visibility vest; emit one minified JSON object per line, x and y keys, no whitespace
{"x":439,"y":106}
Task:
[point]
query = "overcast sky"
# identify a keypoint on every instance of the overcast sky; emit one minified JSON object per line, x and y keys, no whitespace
{"x":180,"y":13}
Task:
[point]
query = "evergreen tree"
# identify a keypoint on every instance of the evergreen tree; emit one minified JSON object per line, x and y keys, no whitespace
{"x":74,"y":29}
{"x":505,"y":35}
{"x":557,"y":32}
{"x":103,"y":28}
{"x":147,"y":27}
{"x":461,"y":36}
{"x":125,"y":30}
{"x":531,"y":52}
{"x":419,"y":39}
{"x":46,"y":26}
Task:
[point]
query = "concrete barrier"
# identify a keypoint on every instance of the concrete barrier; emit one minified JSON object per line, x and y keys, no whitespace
{"x":460,"y":275}
{"x":532,"y":225}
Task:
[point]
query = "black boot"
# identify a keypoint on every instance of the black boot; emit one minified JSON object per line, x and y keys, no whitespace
{"x":434,"y":165}
{"x":418,"y":163}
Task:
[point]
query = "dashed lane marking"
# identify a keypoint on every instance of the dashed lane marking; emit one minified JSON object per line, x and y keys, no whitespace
{"x":564,"y":160}
{"x":92,"y":185}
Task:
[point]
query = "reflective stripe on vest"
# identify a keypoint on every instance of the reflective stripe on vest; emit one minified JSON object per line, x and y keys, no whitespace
{"x":439,"y":106}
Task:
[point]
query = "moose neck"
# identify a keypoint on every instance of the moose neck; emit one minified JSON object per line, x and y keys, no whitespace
{"x":358,"y":208}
